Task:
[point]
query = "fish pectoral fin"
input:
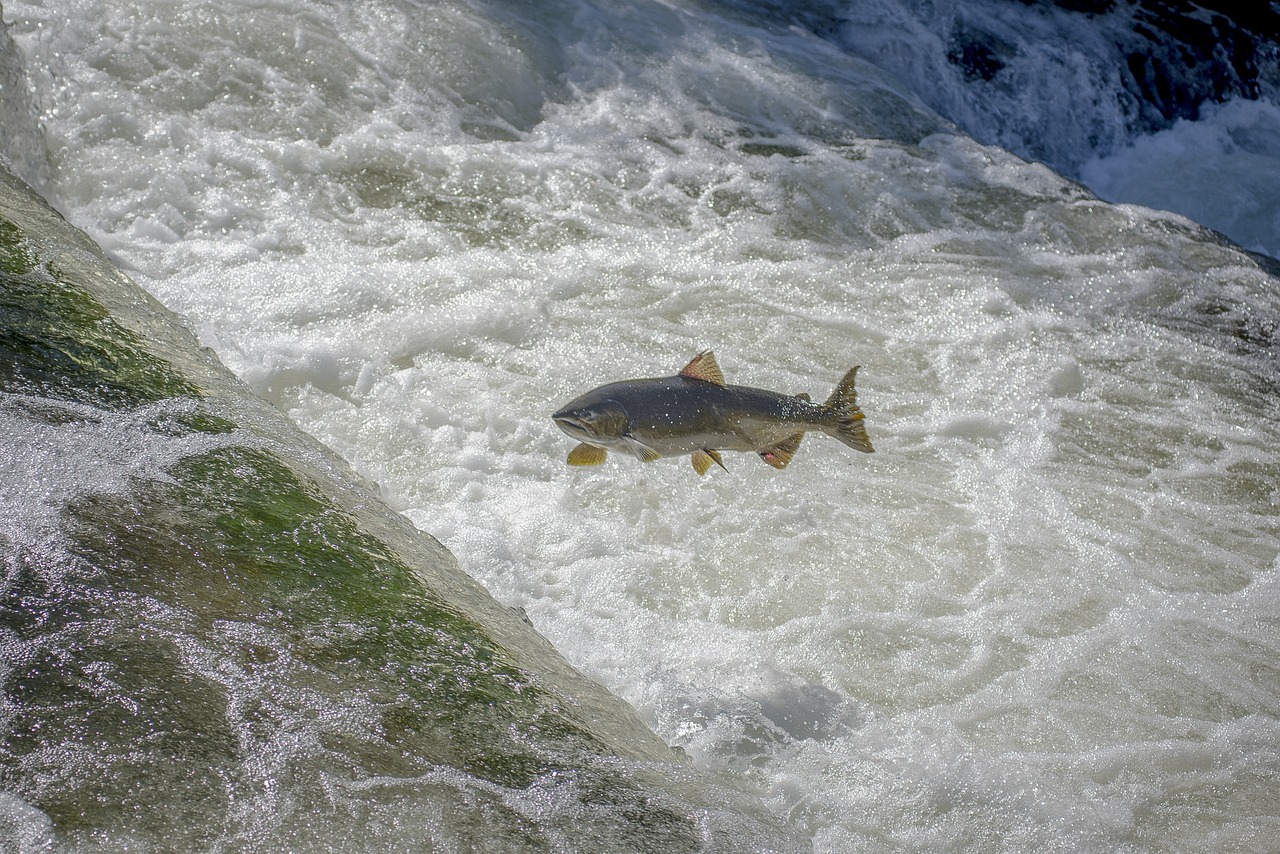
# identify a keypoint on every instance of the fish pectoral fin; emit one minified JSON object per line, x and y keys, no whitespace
{"x":703,"y":459}
{"x":642,"y":452}
{"x":780,"y":454}
{"x":587,"y":455}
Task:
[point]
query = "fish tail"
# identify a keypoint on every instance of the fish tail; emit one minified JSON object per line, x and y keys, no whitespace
{"x":845,"y":416}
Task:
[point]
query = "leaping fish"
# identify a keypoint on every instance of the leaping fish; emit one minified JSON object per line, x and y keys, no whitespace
{"x":697,"y":413}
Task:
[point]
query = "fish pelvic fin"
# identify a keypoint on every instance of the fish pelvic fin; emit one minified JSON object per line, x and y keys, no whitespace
{"x":703,"y":367}
{"x":703,"y":459}
{"x":842,"y":409}
{"x":587,"y":455}
{"x":780,"y":454}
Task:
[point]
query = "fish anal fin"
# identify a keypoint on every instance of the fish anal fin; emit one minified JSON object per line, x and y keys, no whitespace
{"x":703,"y":459}
{"x":780,"y":454}
{"x":587,"y":455}
{"x":642,"y":452}
{"x":703,"y":367}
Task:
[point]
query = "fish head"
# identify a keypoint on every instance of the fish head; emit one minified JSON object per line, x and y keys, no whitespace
{"x":598,"y":422}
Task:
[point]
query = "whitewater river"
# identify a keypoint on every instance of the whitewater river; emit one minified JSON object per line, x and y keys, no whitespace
{"x":1043,"y":616}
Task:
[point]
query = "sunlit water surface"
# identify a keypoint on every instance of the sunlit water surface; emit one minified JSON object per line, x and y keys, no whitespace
{"x":1042,"y":616}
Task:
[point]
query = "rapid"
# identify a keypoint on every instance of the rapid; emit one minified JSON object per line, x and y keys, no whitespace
{"x":1043,"y":616}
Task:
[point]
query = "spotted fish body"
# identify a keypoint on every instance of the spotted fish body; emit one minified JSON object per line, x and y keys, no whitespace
{"x":697,"y":413}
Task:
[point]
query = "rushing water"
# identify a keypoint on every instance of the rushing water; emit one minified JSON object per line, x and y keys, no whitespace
{"x":1042,"y":616}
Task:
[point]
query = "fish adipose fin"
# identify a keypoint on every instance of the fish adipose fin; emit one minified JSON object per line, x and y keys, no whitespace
{"x":587,"y":455}
{"x":703,"y":367}
{"x":780,"y":454}
{"x":843,"y":407}
{"x":703,"y":459}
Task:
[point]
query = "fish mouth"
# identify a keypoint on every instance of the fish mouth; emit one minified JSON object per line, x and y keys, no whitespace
{"x":563,"y":418}
{"x":571,"y":424}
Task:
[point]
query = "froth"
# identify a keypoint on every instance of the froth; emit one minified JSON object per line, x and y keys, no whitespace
{"x":1053,"y":567}
{"x":1185,"y":168}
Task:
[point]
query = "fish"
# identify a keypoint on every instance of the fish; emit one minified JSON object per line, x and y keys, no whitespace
{"x":697,"y":413}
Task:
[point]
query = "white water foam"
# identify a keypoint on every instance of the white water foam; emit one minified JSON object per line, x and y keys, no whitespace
{"x":1040,"y":617}
{"x":1222,"y":170}
{"x":1056,"y":93}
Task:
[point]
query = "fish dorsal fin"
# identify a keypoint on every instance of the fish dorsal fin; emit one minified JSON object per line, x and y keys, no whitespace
{"x":804,"y":395}
{"x":587,"y":455}
{"x":780,"y":454}
{"x":703,"y":367}
{"x":703,"y":459}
